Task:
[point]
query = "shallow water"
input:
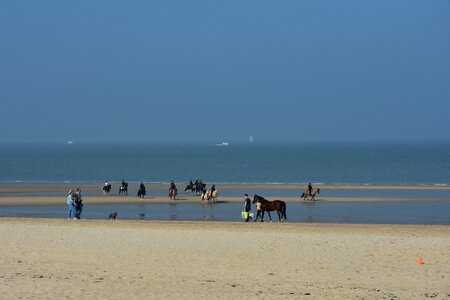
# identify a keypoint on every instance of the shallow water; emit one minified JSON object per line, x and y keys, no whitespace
{"x":330,"y":212}
{"x":273,"y":192}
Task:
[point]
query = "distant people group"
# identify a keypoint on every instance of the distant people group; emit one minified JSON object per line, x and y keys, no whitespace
{"x":75,"y":204}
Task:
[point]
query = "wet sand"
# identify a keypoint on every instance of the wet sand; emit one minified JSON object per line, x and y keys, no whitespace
{"x":61,"y":200}
{"x":63,"y":188}
{"x":93,"y":259}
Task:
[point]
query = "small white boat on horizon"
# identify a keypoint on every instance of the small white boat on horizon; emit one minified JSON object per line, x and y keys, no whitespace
{"x":223,"y":144}
{"x":69,"y":142}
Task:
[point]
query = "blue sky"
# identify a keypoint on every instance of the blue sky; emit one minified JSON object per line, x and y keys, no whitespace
{"x":208,"y":71}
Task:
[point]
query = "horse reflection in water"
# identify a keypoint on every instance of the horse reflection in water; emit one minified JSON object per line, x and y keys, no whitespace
{"x":266,"y":205}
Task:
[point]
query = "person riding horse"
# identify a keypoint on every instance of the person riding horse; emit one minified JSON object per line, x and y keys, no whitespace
{"x":123,"y":188}
{"x":172,"y":185}
{"x":310,"y":188}
{"x":106,"y":188}
{"x":172,"y":190}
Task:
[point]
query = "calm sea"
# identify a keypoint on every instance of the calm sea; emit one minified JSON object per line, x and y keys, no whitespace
{"x":326,"y":163}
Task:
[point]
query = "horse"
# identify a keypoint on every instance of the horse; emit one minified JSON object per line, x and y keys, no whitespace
{"x":266,"y":205}
{"x":106,"y":189}
{"x":204,"y":195}
{"x":173,"y":193}
{"x":123,"y":189}
{"x":312,"y":196}
{"x":212,"y":196}
{"x":191,"y":187}
{"x":199,"y":187}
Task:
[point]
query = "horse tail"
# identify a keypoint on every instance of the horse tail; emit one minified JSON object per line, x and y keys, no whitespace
{"x":303,"y":195}
{"x":283,"y":210}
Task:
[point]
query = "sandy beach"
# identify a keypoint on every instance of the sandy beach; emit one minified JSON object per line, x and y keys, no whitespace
{"x":89,"y":259}
{"x":92,"y":259}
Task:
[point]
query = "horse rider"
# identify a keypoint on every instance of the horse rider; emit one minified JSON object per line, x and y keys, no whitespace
{"x":213,"y":188}
{"x":197,"y":189}
{"x":172,"y":185}
{"x":310,"y":189}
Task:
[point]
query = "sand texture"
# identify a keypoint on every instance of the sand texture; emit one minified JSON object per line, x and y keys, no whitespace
{"x":99,"y":259}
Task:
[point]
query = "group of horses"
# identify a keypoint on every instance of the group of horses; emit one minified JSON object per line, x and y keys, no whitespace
{"x":196,"y":187}
{"x":200,"y":189}
{"x":266,"y":206}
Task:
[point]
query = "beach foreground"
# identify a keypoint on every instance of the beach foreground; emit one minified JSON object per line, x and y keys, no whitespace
{"x":140,"y":259}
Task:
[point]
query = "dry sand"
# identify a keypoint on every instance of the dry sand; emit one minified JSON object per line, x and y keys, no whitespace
{"x":87,"y":259}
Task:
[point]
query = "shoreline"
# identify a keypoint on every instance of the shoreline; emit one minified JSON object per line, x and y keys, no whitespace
{"x":21,"y":188}
{"x":9,"y":201}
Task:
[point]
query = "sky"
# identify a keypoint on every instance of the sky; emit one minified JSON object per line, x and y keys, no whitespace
{"x":212,"y":71}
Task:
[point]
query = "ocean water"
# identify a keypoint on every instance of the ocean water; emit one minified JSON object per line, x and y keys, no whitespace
{"x":325,"y":163}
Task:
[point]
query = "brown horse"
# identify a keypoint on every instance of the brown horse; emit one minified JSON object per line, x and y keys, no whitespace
{"x":312,"y":196}
{"x":210,"y":197}
{"x":172,"y":193}
{"x":266,"y":205}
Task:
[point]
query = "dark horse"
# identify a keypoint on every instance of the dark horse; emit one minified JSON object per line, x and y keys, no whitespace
{"x":191,"y":187}
{"x":266,"y":205}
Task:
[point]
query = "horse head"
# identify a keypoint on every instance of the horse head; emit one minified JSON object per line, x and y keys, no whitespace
{"x":256,"y":198}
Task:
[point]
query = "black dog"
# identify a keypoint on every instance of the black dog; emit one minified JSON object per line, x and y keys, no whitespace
{"x":112,"y":216}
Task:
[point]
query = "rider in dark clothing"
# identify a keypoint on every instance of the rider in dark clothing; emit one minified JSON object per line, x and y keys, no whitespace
{"x":141,"y":191}
{"x":310,"y":188}
{"x":172,"y":185}
{"x":213,"y":188}
{"x":248,"y":206}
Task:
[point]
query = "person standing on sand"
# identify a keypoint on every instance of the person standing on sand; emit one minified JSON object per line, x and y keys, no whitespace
{"x":247,"y":206}
{"x":71,"y":205}
{"x":78,"y":204}
{"x":258,"y":211}
{"x":141,"y":191}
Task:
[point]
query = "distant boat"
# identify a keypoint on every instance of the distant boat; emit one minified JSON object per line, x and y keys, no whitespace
{"x":223,"y":144}
{"x":251,"y":139}
{"x":69,"y":142}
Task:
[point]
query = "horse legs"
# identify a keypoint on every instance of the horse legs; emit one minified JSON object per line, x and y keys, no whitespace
{"x":270,"y":217}
{"x":279,"y":216}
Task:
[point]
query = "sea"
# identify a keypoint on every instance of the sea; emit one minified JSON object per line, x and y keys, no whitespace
{"x":367,"y":164}
{"x":360,"y":164}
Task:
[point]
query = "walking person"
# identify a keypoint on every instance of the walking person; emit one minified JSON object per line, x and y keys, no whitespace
{"x":247,"y":206}
{"x":258,"y":211}
{"x":71,"y":205}
{"x":78,"y":204}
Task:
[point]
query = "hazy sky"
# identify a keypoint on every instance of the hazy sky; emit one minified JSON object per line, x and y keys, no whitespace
{"x":209,"y":71}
